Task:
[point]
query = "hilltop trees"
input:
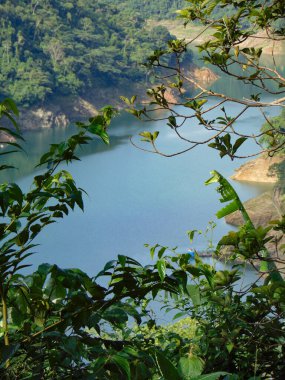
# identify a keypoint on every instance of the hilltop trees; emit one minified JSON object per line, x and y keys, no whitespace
{"x":68,"y":47}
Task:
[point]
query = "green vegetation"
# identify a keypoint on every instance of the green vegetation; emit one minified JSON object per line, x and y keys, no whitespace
{"x":50,"y":47}
{"x":274,"y":132}
{"x":274,"y":136}
{"x":62,"y":324}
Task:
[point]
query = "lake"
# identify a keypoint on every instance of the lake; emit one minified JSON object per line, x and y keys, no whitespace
{"x":135,"y":197}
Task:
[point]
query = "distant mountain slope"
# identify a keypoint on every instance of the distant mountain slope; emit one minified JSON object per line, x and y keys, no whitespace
{"x":66,"y":47}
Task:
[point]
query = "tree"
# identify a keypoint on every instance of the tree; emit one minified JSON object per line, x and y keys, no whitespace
{"x":230,"y":50}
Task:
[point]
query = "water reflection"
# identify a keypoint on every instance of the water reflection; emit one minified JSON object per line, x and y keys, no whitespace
{"x":38,"y":142}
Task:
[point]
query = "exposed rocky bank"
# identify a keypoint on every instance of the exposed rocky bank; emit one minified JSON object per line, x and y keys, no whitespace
{"x":258,"y":170}
{"x":261,"y":209}
{"x":204,"y":76}
{"x":266,"y":207}
{"x":60,"y":111}
{"x":269,"y":205}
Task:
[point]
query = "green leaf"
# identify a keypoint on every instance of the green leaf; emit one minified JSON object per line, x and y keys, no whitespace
{"x":152,"y":250}
{"x":36,"y":228}
{"x":201,"y":102}
{"x":22,"y":237}
{"x":155,"y":135}
{"x":192,"y":233}
{"x":105,"y":137}
{"x":98,"y":127}
{"x":227,"y":140}
{"x":161,"y":267}
{"x":189,"y":105}
{"x":125,"y":100}
{"x":179,"y":315}
{"x":230,"y":347}
{"x":56,"y":291}
{"x":98,"y":364}
{"x":122,"y":260}
{"x":146,"y":135}
{"x":122,"y":364}
{"x":190,"y":367}
{"x":172,"y":121}
{"x":11,"y":105}
{"x":210,"y":5}
{"x":227,"y":210}
{"x":161,"y":252}
{"x":195,"y":295}
{"x":167,"y":369}
{"x":44,"y":269}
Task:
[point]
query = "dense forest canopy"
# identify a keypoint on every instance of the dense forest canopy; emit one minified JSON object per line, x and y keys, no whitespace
{"x":51,"y":46}
{"x":61,"y":47}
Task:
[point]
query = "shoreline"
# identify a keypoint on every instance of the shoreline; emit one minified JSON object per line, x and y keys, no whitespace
{"x":60,"y":111}
{"x":258,"y":170}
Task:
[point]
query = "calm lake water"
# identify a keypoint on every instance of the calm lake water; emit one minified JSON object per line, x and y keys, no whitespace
{"x":134,"y":197}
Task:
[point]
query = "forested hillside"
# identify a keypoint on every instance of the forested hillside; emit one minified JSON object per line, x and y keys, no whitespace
{"x":66,"y":47}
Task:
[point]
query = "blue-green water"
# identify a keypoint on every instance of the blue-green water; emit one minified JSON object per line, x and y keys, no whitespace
{"x":134,"y":197}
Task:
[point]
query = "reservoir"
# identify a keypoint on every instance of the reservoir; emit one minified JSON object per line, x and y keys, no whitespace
{"x":135,"y":197}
